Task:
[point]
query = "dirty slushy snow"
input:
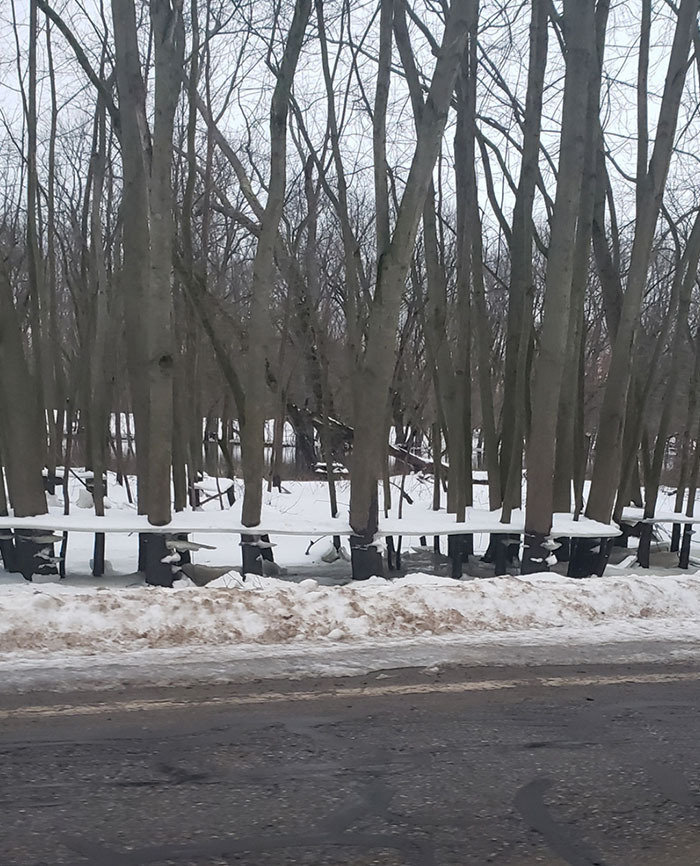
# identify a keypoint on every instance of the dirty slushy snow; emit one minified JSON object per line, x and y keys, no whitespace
{"x":52,"y":617}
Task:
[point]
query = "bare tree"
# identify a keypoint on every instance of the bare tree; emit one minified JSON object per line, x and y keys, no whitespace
{"x":650,"y":193}
{"x":375,"y":368}
{"x":579,"y":31}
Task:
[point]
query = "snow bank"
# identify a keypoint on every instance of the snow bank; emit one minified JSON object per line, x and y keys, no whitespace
{"x":54,"y":617}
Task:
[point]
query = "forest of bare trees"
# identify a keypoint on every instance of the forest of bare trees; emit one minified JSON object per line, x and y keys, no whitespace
{"x":432,"y":234}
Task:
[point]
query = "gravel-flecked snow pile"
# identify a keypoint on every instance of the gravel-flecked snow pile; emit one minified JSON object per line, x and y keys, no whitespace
{"x":56,"y":617}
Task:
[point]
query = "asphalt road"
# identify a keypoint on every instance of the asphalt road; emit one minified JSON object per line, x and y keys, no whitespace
{"x":460,"y":767}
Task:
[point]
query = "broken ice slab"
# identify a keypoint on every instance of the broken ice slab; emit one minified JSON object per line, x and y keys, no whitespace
{"x":47,"y":538}
{"x":182,"y":544}
{"x":263,"y":545}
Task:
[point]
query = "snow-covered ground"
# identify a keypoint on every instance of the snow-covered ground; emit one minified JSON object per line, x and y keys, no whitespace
{"x":51,"y":617}
{"x":115,"y":629}
{"x":57,"y":636}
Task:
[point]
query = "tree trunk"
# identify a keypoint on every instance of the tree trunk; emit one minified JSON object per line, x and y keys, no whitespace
{"x":520,"y":290}
{"x":169,"y":39}
{"x":373,"y":375}
{"x":688,"y":426}
{"x":22,"y":437}
{"x":452,"y":382}
{"x":471,"y":243}
{"x":264,"y":274}
{"x":570,"y":411}
{"x":7,"y":544}
{"x":580,"y":49}
{"x":134,"y":278}
{"x":688,"y":267}
{"x":99,"y":408}
{"x":606,"y":467}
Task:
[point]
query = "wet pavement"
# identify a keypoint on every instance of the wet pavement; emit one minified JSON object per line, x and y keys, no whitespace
{"x":451,"y":767}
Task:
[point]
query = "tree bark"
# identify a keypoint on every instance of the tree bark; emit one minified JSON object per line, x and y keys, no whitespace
{"x":580,"y":48}
{"x":373,"y":375}
{"x":688,"y":267}
{"x":134,"y":278}
{"x":606,"y":467}
{"x":570,"y":413}
{"x":22,"y":436}
{"x":520,"y":289}
{"x":264,"y":273}
{"x":169,"y":41}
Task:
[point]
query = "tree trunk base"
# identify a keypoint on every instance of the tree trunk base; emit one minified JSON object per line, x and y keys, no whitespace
{"x":185,"y":555}
{"x":584,"y":557}
{"x":390,"y":553}
{"x":8,"y":554}
{"x":27,"y":561}
{"x":468,"y":546}
{"x":535,"y":553}
{"x":563,"y":552}
{"x":675,"y":538}
{"x":158,"y":573}
{"x":684,"y":558}
{"x":253,"y":554}
{"x":644,"y":550}
{"x":266,"y":552}
{"x":454,"y":551}
{"x":624,"y":539}
{"x":503,"y":551}
{"x":606,"y":547}
{"x":143,"y":543}
{"x":62,"y":557}
{"x":589,"y":556}
{"x":51,"y":482}
{"x":98,"y":555}
{"x":365,"y":559}
{"x":459,"y":547}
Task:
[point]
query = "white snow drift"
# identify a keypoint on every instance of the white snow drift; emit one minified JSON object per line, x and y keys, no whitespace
{"x":53,"y":617}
